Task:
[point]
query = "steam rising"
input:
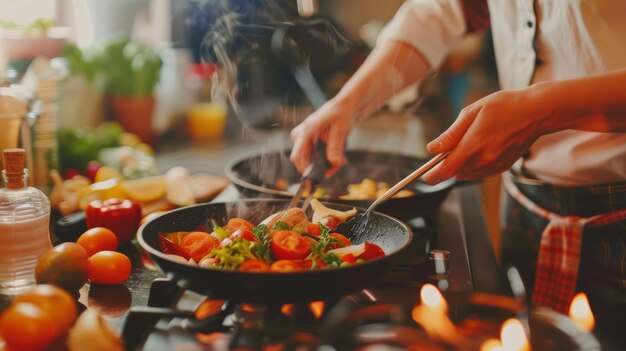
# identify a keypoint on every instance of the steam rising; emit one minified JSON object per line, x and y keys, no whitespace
{"x":231,"y":37}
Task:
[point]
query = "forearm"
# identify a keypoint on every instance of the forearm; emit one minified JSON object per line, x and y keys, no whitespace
{"x":388,"y":69}
{"x":593,"y":103}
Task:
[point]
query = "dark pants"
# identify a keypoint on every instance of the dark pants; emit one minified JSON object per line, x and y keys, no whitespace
{"x":603,"y":260}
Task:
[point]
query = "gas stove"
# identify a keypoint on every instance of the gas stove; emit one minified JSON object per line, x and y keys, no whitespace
{"x":154,"y":313}
{"x":165,"y":317}
{"x":174,"y":318}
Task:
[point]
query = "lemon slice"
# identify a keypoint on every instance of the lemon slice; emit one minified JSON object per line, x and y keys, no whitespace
{"x":146,"y":189}
{"x":106,"y":173}
{"x":107,"y":189}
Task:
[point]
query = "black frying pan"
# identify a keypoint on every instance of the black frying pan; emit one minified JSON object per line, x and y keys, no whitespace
{"x":257,"y":175}
{"x":261,"y":287}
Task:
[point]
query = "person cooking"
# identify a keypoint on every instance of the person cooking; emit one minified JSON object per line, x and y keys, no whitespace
{"x":558,"y":125}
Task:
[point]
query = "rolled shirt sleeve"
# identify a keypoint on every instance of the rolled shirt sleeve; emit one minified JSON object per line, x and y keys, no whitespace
{"x":433,"y":27}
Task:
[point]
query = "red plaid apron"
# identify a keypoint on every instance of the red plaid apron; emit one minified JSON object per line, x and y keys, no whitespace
{"x":559,"y":250}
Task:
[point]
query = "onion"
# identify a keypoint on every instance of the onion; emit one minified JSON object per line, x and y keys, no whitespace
{"x":320,"y":211}
{"x":355,"y":250}
{"x":92,"y":333}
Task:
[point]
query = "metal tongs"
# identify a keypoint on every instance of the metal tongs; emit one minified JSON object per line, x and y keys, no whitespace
{"x":357,"y":225}
{"x":312,"y":176}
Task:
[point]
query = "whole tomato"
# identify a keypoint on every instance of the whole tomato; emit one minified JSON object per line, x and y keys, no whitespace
{"x":64,"y":265}
{"x":54,"y":301}
{"x":108,"y":267}
{"x":122,"y":216}
{"x":97,"y":239}
{"x":26,"y":327}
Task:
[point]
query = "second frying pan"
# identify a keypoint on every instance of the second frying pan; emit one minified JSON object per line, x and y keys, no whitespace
{"x":259,"y":174}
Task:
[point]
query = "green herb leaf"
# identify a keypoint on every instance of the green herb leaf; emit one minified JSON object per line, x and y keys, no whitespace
{"x":331,"y":259}
{"x":262,"y":250}
{"x":281,"y":226}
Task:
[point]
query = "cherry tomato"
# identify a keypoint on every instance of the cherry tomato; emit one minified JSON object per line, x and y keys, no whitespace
{"x":342,"y":241}
{"x":26,"y":327}
{"x":91,"y":169}
{"x":238,"y":223}
{"x":54,"y":301}
{"x":290,"y":265}
{"x":253,"y":265}
{"x":97,"y":239}
{"x":314,"y":229}
{"x":64,"y":265}
{"x":244,"y":234}
{"x":199,"y":244}
{"x":331,"y":222}
{"x":108,"y":267}
{"x":371,"y":251}
{"x":349,"y":258}
{"x":289,"y":245}
{"x":319,"y":263}
{"x":170,"y":244}
{"x":71,"y":173}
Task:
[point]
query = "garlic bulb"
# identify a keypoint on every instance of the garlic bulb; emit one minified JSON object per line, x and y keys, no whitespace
{"x":92,"y":333}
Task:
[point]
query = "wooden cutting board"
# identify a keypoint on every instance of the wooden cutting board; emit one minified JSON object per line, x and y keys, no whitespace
{"x":206,"y":187}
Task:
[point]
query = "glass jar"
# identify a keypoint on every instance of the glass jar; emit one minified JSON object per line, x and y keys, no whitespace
{"x":24,"y":225}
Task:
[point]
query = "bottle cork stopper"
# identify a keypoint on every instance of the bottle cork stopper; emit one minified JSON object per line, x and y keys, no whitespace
{"x":14,"y":167}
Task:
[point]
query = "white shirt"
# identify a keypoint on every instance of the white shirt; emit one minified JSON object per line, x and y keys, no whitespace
{"x":568,"y":39}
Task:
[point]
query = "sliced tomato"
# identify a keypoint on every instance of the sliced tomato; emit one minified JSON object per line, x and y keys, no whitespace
{"x":168,"y":246}
{"x":342,"y":241}
{"x":176,"y":237}
{"x":253,"y":265}
{"x":289,"y":245}
{"x":290,"y":265}
{"x":319,"y":263}
{"x":349,"y":258}
{"x":244,"y":234}
{"x":371,"y":251}
{"x":235,"y":224}
{"x":331,"y":222}
{"x":199,"y":244}
{"x":314,"y":229}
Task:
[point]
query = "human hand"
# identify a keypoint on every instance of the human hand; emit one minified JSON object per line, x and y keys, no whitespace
{"x":489,"y":135}
{"x":331,"y":123}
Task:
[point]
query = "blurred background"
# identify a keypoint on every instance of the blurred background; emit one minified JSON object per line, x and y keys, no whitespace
{"x":80,"y":76}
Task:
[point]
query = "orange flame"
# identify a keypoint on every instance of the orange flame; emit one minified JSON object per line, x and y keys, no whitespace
{"x":513,"y":336}
{"x":208,"y":308}
{"x":287,"y":310}
{"x":432,"y":315}
{"x":580,"y":312}
{"x":317,"y":308}
{"x":491,"y":345}
{"x":432,"y":298}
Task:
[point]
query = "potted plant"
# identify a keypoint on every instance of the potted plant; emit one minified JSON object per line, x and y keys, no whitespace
{"x":132,"y":71}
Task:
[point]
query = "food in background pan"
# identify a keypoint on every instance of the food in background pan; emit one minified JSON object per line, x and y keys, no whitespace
{"x":366,"y":190}
{"x":370,"y":189}
{"x":285,"y":241}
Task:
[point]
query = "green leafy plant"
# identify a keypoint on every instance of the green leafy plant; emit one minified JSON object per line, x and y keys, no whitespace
{"x":38,"y":27}
{"x":130,"y":69}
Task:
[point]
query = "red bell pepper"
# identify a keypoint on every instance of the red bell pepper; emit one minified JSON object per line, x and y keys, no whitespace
{"x":122,"y":216}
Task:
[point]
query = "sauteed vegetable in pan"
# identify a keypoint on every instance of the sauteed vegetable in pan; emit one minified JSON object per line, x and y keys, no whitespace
{"x":266,"y":287}
{"x":285,"y":241}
